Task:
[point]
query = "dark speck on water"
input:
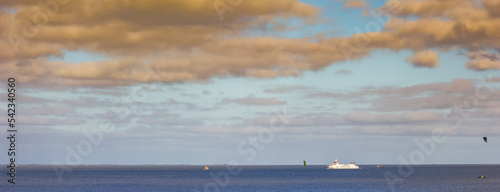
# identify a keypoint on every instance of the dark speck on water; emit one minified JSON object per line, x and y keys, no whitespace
{"x":111,"y":178}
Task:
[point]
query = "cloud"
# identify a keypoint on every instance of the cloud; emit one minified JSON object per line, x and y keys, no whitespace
{"x":363,"y":123}
{"x":47,"y":110}
{"x":90,"y":102}
{"x":481,"y":60}
{"x":121,"y":27}
{"x":492,"y":6}
{"x":188,"y":94}
{"x":182,"y":41}
{"x":409,"y":117}
{"x":445,"y":95}
{"x":427,"y":58}
{"x":206,"y":92}
{"x":493,"y":79}
{"x":403,"y":130}
{"x":252,"y":100}
{"x":353,"y":119}
{"x":25,"y":98}
{"x":343,"y":71}
{"x":286,"y":88}
{"x":488,"y":112}
{"x":354,"y":3}
{"x":28,"y":120}
{"x":445,"y":25}
{"x":302,"y":120}
{"x":167,"y":121}
{"x":185,"y":105}
{"x":131,"y":34}
{"x":456,"y":86}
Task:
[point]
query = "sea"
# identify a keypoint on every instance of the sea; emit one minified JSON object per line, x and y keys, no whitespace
{"x":193,"y":178}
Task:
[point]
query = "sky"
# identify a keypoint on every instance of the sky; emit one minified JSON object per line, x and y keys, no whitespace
{"x":252,"y":82}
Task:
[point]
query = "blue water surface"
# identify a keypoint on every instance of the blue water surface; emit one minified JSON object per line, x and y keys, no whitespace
{"x":254,"y":178}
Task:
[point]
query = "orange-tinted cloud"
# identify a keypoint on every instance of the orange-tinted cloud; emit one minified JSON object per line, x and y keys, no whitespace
{"x":354,"y":3}
{"x":444,"y":25}
{"x":427,"y":58}
{"x":179,"y":41}
{"x":481,"y":60}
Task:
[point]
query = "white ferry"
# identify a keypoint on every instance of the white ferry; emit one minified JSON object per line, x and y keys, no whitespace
{"x":336,"y":165}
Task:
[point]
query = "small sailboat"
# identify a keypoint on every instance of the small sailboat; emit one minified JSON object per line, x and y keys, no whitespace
{"x":206,"y":168}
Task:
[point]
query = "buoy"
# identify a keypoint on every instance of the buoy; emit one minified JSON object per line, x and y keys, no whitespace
{"x":482,"y":177}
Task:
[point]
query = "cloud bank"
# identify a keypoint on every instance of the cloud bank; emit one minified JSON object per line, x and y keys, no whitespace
{"x":181,"y":41}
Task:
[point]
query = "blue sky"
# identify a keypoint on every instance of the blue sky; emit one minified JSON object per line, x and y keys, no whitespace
{"x":204,"y":90}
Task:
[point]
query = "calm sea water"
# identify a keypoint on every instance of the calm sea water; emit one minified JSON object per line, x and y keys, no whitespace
{"x":256,"y":178}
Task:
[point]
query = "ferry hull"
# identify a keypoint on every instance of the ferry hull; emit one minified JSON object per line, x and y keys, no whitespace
{"x":336,"y":165}
{"x":343,"y":167}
